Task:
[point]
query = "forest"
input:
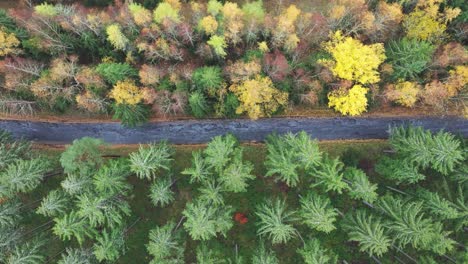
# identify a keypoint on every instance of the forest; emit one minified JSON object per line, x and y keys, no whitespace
{"x":136,"y":60}
{"x":290,"y":200}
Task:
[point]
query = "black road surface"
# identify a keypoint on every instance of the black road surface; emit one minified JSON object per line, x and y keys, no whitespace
{"x":201,"y":131}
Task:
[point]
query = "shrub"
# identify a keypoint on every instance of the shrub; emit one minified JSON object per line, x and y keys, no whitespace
{"x":114,"y":72}
{"x":131,"y":115}
{"x":352,"y":102}
{"x":409,"y":57}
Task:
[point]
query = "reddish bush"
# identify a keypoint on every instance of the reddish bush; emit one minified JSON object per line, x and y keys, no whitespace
{"x":240,"y":218}
{"x":276,"y":65}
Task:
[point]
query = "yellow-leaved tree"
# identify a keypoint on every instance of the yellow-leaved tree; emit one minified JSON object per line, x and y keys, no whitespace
{"x":8,"y":43}
{"x":427,"y":23}
{"x":353,"y":60}
{"x":258,"y":97}
{"x":404,"y":93}
{"x":208,"y":24}
{"x":168,"y":9}
{"x":126,"y":92}
{"x":140,"y":15}
{"x":116,"y":37}
{"x":351,"y":102}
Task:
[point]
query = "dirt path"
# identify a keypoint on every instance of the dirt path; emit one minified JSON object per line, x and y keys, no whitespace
{"x":201,"y":131}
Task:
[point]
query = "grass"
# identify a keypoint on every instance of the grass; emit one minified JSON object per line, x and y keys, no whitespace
{"x":146,"y":216}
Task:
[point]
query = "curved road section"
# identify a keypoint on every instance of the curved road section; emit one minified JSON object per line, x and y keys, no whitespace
{"x":201,"y":131}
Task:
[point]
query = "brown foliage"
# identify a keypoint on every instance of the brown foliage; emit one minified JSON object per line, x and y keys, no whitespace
{"x":450,"y":54}
{"x":169,"y":103}
{"x":276,"y":65}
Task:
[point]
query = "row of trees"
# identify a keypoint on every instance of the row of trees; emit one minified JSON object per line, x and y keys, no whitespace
{"x":225,"y":59}
{"x":389,"y":221}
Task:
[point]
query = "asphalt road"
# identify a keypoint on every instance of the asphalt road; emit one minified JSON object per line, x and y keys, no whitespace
{"x":201,"y":131}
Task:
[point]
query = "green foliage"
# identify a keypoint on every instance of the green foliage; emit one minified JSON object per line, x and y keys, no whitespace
{"x":22,"y":176}
{"x":114,"y":72}
{"x":9,"y":214}
{"x":209,"y":255}
{"x":234,"y":178}
{"x":131,"y":115}
{"x":161,"y":193}
{"x":198,"y":105}
{"x":208,"y":79}
{"x":398,"y":170}
{"x":111,"y":179}
{"x":219,"y":151}
{"x":211,"y":192}
{"x":409,"y":57}
{"x":109,"y":245}
{"x":199,"y":172}
{"x":329,"y":175}
{"x":205,"y":221}
{"x":76,"y":184}
{"x":11,"y":150}
{"x":102,"y":209}
{"x":54,"y":204}
{"x":72,"y":226}
{"x":275,"y":221}
{"x":254,"y":10}
{"x":218,"y":43}
{"x":77,"y":256}
{"x":441,"y":152}
{"x":410,"y":226}
{"x":262,"y":255}
{"x":360,"y":187}
{"x":27,"y":253}
{"x":151,"y":160}
{"x":290,"y":153}
{"x":165,"y":245}
{"x":368,"y":232}
{"x":165,"y":11}
{"x":82,"y":157}
{"x":317,"y":213}
{"x":437,"y":205}
{"x":46,"y":10}
{"x":314,"y":253}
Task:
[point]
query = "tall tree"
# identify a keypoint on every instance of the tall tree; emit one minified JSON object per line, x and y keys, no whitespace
{"x":369,"y":232}
{"x":83,"y":156}
{"x":205,"y":221}
{"x":148,"y":161}
{"x":276,"y":221}
{"x":23,"y":176}
{"x":314,"y":253}
{"x":360,"y":186}
{"x":317,"y":213}
{"x":330,"y":175}
{"x":165,"y":245}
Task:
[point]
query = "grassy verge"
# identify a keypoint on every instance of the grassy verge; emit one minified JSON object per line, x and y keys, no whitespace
{"x":146,"y":216}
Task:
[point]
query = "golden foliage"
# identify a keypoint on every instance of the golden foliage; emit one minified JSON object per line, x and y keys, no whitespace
{"x":403,"y":93}
{"x":291,"y":42}
{"x":427,"y":23}
{"x":126,"y":92}
{"x":353,"y":60}
{"x":435,"y":94}
{"x":90,"y":102}
{"x":8,"y":43}
{"x":116,"y":37}
{"x":208,"y":24}
{"x":89,"y":78}
{"x":149,"y":75}
{"x":258,"y":97}
{"x":140,"y":15}
{"x":457,"y":80}
{"x":242,"y":71}
{"x":234,"y":23}
{"x":263,"y":46}
{"x":166,"y":10}
{"x":351,"y":102}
